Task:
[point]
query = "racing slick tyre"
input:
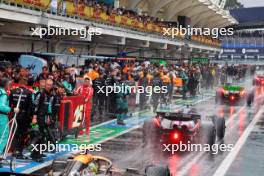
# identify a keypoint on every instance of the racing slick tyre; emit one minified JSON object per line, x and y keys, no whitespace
{"x":157,"y":171}
{"x":150,"y":133}
{"x":58,"y":165}
{"x":250,"y":99}
{"x":220,"y":128}
{"x":218,"y":99}
{"x":211,"y":135}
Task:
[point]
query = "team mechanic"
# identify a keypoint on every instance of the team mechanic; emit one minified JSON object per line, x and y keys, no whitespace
{"x":43,"y":116}
{"x":86,"y":91}
{"x":23,"y":117}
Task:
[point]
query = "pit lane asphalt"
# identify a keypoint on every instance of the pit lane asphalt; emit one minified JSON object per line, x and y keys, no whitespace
{"x":126,"y":151}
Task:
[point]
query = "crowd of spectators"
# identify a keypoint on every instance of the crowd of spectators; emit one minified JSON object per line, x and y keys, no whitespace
{"x":106,"y":13}
{"x":104,"y":73}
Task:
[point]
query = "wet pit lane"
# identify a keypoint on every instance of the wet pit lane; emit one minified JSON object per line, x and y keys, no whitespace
{"x":127,"y":150}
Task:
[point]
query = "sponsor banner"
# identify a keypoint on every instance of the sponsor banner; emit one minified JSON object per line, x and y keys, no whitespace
{"x":200,"y":60}
{"x":242,"y":51}
{"x":41,"y":4}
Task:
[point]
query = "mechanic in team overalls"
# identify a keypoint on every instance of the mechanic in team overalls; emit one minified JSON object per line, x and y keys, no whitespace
{"x":156,"y":84}
{"x":58,"y":93}
{"x":121,"y":101}
{"x":67,"y":85}
{"x":24,"y":117}
{"x":111,"y":103}
{"x":4,"y":110}
{"x":98,"y":96}
{"x":43,"y":114}
{"x":143,"y":82}
{"x":166,"y":83}
{"x":185,"y":80}
{"x":87,"y":91}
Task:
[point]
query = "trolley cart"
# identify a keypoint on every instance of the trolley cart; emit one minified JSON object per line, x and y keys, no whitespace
{"x":13,"y":124}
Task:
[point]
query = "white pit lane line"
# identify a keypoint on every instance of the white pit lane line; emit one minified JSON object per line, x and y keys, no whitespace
{"x":226,"y":163}
{"x":186,"y":168}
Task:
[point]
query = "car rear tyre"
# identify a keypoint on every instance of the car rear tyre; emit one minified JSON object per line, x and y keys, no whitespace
{"x":250,"y":99}
{"x":157,"y":171}
{"x":220,"y":128}
{"x":211,"y":135}
{"x":218,"y":99}
{"x":150,"y":132}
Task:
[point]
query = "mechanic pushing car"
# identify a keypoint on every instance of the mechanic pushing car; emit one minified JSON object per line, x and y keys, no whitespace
{"x":23,"y":117}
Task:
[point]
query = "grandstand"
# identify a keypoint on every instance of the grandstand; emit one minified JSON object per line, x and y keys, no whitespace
{"x":124,"y":30}
{"x":248,"y":41}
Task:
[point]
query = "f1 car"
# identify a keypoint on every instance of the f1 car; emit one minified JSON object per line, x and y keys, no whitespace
{"x":258,"y":80}
{"x":170,"y":127}
{"x":233,"y":94}
{"x":87,"y":164}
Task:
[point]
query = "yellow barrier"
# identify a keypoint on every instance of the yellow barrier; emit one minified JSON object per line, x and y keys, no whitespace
{"x":88,"y":12}
{"x":96,"y":14}
{"x":112,"y":19}
{"x":80,"y":10}
{"x":103,"y":16}
{"x":129,"y":22}
{"x":70,"y":8}
{"x":40,"y":4}
{"x":123,"y":20}
{"x":118,"y":19}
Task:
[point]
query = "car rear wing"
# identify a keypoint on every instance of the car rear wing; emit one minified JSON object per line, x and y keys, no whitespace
{"x":179,"y":116}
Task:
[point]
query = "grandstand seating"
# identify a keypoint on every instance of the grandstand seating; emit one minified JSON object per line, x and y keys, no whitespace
{"x":99,"y":14}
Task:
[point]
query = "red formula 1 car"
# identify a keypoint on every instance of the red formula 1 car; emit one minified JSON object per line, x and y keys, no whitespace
{"x":181,"y":127}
